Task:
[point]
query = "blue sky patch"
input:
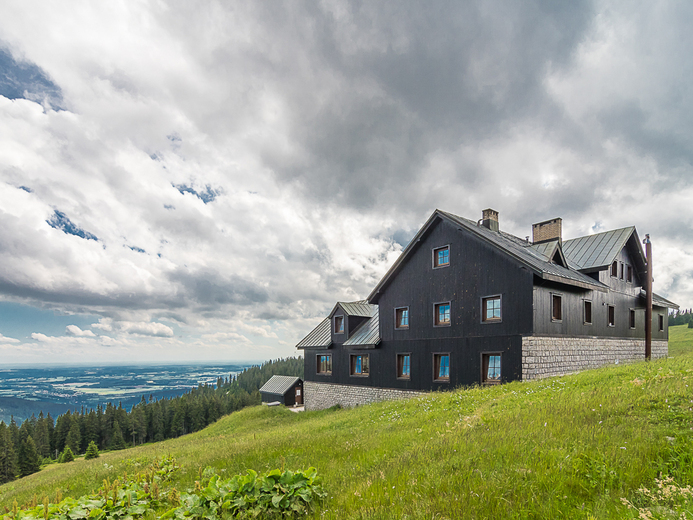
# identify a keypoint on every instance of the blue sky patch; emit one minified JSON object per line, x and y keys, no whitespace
{"x":60,"y":221}
{"x":206,"y":196}
{"x":24,"y":80}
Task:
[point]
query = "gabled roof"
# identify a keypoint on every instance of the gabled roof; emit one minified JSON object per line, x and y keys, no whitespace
{"x":359,"y":308}
{"x":367,"y":334}
{"x":513,"y":246}
{"x":319,"y":337}
{"x":598,"y":251}
{"x":279,"y":384}
{"x":552,"y":251}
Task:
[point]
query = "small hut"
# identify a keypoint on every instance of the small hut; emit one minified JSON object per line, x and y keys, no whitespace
{"x":286,"y":390}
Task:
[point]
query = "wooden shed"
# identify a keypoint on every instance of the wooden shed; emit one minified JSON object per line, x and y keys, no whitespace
{"x":287,"y":390}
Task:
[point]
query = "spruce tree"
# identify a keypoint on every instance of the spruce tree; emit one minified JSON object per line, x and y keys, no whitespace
{"x":67,"y":455}
{"x":92,"y":451}
{"x":29,"y":460}
{"x":117,"y":441}
{"x":8,"y":457}
{"x":74,"y":437}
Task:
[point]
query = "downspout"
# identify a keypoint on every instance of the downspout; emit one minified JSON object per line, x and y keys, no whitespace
{"x":648,"y":305}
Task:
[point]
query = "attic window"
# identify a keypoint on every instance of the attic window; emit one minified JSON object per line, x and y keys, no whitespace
{"x":629,"y":274}
{"x":614,"y":269}
{"x":621,"y":272}
{"x":556,"y":307}
{"x":339,"y":324}
{"x":491,"y":309}
{"x":441,"y":257}
{"x":611,"y":316}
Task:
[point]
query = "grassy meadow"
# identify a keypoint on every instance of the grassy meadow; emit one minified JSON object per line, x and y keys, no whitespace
{"x":570,"y":447}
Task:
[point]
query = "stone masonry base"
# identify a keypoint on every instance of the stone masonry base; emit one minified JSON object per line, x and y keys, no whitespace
{"x":319,"y":396}
{"x":548,"y":356}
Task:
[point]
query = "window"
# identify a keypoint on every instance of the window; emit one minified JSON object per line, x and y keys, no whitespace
{"x":324,"y":364}
{"x":611,"y":316}
{"x":556,"y":307}
{"x":661,"y":323}
{"x":629,"y":273}
{"x":441,"y":367}
{"x":403,"y":366}
{"x":621,"y":271}
{"x":402,"y":318}
{"x":441,"y":256}
{"x":359,"y":365}
{"x":491,"y":309}
{"x":631,"y":318}
{"x":339,"y":324}
{"x":441,"y":314}
{"x":587,"y":312}
{"x":491,"y":368}
{"x":614,"y":269}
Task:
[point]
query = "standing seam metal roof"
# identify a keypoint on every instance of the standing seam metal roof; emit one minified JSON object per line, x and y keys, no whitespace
{"x":279,"y":384}
{"x":599,"y":250}
{"x":319,"y":337}
{"x":368,"y":333}
{"x":360,"y":308}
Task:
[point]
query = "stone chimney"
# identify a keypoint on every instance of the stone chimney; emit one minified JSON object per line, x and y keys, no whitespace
{"x":489,"y":219}
{"x":547,"y":231}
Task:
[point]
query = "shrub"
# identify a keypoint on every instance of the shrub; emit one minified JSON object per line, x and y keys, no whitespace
{"x":92,"y":451}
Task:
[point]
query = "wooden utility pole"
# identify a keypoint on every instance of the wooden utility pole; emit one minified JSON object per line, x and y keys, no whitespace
{"x":648,"y":305}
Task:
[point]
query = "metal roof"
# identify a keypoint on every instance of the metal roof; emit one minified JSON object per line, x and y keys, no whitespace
{"x":522,"y":251}
{"x":599,"y":250}
{"x":279,"y":384}
{"x":658,"y":300}
{"x":368,"y":333}
{"x":319,"y":337}
{"x":359,"y":308}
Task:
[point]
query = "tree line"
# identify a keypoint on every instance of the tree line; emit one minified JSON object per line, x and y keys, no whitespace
{"x":38,"y":440}
{"x":681,"y":317}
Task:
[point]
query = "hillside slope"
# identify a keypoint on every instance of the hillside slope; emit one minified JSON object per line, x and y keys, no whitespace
{"x":568,"y":447}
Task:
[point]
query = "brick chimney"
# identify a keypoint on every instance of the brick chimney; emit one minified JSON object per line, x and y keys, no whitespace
{"x":547,"y":231}
{"x":489,"y":219}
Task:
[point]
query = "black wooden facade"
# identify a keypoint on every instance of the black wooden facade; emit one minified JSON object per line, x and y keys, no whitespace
{"x":482,"y":263}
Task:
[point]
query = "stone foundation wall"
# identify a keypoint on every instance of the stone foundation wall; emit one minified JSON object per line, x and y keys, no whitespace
{"x":544,"y":356}
{"x":319,"y":396}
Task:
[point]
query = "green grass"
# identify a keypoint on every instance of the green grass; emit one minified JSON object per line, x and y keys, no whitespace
{"x":567,"y":447}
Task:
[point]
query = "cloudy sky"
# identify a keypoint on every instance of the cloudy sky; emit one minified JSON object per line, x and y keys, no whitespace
{"x":203,"y":180}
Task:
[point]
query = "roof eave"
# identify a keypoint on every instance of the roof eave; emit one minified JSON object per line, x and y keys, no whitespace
{"x":575,"y":283}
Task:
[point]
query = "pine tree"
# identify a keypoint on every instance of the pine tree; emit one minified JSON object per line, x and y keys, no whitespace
{"x":29,"y":460}
{"x":8,"y":457}
{"x":92,"y":451}
{"x":117,"y":441}
{"x":67,"y":455}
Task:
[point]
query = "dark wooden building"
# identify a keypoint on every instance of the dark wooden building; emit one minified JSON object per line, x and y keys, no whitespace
{"x":467,"y":303}
{"x":287,"y":390}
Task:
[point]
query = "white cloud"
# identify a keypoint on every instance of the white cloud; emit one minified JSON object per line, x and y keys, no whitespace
{"x":146,"y":329}
{"x":5,"y":339}
{"x":74,"y":330}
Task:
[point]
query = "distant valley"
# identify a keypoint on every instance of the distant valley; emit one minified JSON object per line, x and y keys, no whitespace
{"x":54,"y":390}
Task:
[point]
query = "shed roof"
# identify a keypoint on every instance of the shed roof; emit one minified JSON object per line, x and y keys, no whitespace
{"x":368,"y":333}
{"x":658,"y":300}
{"x":279,"y":384}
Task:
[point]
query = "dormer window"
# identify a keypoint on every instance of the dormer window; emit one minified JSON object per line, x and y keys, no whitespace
{"x":441,"y":257}
{"x":339,"y":324}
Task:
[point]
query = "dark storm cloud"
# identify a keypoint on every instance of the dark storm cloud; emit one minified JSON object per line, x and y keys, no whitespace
{"x":412,"y":80}
{"x":24,"y":80}
{"x":209,"y":288}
